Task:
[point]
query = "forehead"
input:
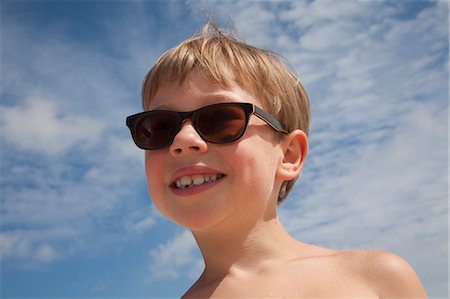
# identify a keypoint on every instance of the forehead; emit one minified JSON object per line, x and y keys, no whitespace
{"x":196,"y":91}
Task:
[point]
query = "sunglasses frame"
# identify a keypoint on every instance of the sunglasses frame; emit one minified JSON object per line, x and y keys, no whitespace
{"x":248,"y":108}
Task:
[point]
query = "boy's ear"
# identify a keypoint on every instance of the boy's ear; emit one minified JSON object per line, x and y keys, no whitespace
{"x":295,"y":149}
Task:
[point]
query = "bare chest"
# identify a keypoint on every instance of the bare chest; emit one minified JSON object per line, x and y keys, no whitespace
{"x":289,"y":283}
{"x":305,"y":288}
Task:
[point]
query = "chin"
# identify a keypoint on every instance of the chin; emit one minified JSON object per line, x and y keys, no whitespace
{"x":196,"y":221}
{"x":201,"y":218}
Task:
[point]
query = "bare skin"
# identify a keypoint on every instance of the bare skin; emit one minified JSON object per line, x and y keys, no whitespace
{"x":257,"y":267}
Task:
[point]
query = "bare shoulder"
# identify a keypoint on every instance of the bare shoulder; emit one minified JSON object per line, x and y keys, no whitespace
{"x":388,"y":274}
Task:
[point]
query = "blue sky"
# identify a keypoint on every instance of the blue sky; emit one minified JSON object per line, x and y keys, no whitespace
{"x":76,"y":219}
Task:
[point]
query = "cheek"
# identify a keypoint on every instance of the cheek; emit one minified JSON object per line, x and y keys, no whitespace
{"x":256,"y":172}
{"x":154,"y":165}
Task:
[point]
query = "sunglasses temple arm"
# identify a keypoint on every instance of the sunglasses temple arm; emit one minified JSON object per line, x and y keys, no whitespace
{"x":269,"y":119}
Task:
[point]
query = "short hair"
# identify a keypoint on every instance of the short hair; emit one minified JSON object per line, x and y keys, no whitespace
{"x":222,"y":58}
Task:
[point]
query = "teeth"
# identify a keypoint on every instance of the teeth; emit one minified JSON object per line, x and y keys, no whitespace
{"x":185,"y":181}
{"x":178,"y":183}
{"x":196,"y":180}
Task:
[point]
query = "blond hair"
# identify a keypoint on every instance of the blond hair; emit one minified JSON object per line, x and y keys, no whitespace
{"x":222,"y":58}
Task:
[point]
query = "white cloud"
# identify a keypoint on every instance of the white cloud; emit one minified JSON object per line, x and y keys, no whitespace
{"x":307,"y":14}
{"x":45,"y":253}
{"x":144,"y":224}
{"x":331,"y":35}
{"x":170,"y":259}
{"x":33,"y":246}
{"x":139,"y":223}
{"x":37,"y":125}
{"x":125,"y":148}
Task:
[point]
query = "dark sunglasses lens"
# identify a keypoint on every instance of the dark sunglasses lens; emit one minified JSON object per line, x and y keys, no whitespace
{"x":221,"y":124}
{"x":156,"y":129}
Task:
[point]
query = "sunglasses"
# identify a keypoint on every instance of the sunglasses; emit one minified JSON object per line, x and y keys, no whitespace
{"x":218,"y":123}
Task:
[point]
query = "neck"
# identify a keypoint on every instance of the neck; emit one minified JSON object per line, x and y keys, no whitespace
{"x":245,"y":249}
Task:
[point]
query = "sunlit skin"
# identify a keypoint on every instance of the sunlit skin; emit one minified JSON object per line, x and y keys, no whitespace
{"x":234,"y":220}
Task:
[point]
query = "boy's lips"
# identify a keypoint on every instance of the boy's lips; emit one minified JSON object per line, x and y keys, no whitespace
{"x":194,"y":179}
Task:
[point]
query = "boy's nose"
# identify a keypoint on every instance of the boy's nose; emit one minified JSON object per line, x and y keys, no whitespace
{"x":188,"y":141}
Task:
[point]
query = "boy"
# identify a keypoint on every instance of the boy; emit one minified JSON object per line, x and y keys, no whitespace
{"x":225,"y":132}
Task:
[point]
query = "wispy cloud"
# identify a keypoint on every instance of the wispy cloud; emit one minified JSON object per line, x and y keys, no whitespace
{"x":176,"y":256}
{"x":137,"y":223}
{"x":35,"y":126}
{"x":22,"y":244}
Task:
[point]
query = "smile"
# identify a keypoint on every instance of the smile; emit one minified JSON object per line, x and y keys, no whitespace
{"x":196,"y":180}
